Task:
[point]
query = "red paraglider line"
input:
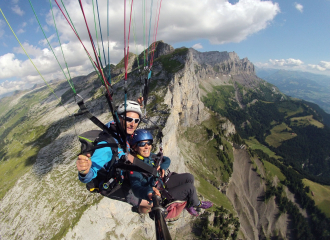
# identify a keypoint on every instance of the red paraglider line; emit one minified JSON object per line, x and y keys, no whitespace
{"x":97,"y":59}
{"x":75,"y":33}
{"x":153,"y":53}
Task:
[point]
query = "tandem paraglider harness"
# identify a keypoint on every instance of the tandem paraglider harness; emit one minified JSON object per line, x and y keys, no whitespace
{"x":112,"y":181}
{"x":112,"y":178}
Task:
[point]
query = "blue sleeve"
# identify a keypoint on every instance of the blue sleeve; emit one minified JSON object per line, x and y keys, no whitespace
{"x":166,"y":163}
{"x":99,"y":159}
{"x":137,"y":181}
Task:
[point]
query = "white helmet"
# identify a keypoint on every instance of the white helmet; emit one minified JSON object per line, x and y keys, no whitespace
{"x":131,"y":106}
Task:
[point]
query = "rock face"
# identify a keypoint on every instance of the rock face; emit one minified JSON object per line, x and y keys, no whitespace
{"x":223,"y":68}
{"x":155,"y":50}
{"x":49,"y":201}
{"x":224,"y":62}
{"x":162,"y":49}
{"x":246,"y":190}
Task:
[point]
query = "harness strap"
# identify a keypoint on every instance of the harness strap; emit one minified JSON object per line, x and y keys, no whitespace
{"x":145,"y":167}
{"x":164,"y":192}
{"x":119,"y":128}
{"x":110,"y":174}
{"x":138,"y":166}
{"x":95,"y":120}
{"x":111,"y":145}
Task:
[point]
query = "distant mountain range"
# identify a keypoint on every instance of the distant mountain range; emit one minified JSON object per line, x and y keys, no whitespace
{"x":307,"y":86}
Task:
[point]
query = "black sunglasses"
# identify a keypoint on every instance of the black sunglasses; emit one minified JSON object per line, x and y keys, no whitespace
{"x":142,"y":144}
{"x":129,"y":119}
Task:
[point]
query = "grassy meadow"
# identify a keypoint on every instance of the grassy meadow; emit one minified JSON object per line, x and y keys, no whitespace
{"x":272,"y":171}
{"x":20,"y":140}
{"x":321,"y":195}
{"x":306,"y":120}
{"x":254,"y":144}
{"x":279,"y":133}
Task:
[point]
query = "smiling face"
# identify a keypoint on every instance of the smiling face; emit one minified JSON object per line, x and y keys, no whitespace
{"x":130,"y":126}
{"x":143,"y":151}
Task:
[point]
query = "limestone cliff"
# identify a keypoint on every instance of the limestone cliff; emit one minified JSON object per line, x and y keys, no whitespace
{"x":49,"y":202}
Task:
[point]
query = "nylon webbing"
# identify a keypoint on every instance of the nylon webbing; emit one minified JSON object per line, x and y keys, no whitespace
{"x":95,"y":120}
{"x":139,"y":166}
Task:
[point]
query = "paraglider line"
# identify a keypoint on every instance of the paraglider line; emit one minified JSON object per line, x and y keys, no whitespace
{"x":76,"y":33}
{"x":98,"y":64}
{"x":98,"y":14}
{"x":71,"y":84}
{"x":52,"y":90}
{"x":152,"y":61}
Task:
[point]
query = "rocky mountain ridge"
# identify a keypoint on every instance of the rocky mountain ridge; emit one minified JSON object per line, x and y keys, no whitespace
{"x":48,"y":202}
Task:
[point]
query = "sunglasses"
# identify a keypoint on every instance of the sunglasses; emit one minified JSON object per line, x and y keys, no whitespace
{"x":142,"y":144}
{"x":129,"y":119}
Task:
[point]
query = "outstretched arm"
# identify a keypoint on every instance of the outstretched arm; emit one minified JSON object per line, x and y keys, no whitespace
{"x":100,"y":158}
{"x":84,"y":164}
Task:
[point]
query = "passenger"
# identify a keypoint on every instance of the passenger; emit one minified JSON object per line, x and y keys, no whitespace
{"x":179,"y":186}
{"x":89,"y":166}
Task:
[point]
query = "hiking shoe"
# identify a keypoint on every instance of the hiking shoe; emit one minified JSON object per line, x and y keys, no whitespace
{"x":205,"y":204}
{"x":192,"y":211}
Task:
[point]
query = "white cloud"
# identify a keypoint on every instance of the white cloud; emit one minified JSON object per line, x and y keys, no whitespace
{"x":30,"y":49}
{"x":290,"y":62}
{"x":317,"y":67}
{"x":10,"y":86}
{"x":44,"y":41}
{"x":325,"y":64}
{"x":197,"y":46}
{"x":322,"y":66}
{"x":281,"y":63}
{"x":216,"y":20}
{"x":14,"y":1}
{"x":295,"y":64}
{"x":8,"y":66}
{"x":17,"y":10}
{"x":24,"y":24}
{"x":299,"y":7}
{"x":44,"y":60}
{"x":20,"y":31}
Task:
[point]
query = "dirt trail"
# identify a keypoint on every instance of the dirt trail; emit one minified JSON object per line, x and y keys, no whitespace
{"x":246,"y":191}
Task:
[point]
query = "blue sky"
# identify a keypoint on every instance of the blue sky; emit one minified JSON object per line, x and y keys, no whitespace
{"x":293,"y":35}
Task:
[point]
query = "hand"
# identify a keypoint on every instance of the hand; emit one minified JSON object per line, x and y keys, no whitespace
{"x":155,"y":191}
{"x":140,"y":101}
{"x":162,"y":171}
{"x":130,"y":157}
{"x":84,"y":163}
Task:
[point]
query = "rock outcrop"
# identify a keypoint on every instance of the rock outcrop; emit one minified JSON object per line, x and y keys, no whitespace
{"x":48,"y":201}
{"x":246,"y":192}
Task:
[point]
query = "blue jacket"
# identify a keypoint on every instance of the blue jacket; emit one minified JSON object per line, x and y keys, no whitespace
{"x":141,"y":185}
{"x":101,"y":159}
